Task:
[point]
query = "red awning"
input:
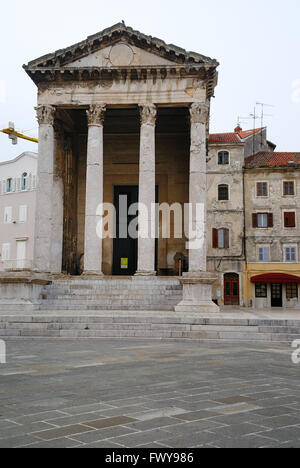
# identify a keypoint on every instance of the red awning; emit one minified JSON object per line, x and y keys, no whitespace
{"x":275,"y":278}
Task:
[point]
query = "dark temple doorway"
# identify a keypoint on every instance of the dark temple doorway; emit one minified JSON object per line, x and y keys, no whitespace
{"x":125,"y":247}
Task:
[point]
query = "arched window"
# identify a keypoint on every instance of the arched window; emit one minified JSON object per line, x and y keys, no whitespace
{"x":223,"y":192}
{"x":9,"y":185}
{"x":223,"y":158}
{"x":24,"y":184}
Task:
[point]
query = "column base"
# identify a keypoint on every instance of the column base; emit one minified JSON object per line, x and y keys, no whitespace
{"x":88,"y":274}
{"x":197,"y":293}
{"x":145,"y":273}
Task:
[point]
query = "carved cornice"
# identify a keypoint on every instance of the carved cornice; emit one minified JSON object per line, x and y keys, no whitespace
{"x":96,"y":114}
{"x":148,"y":114}
{"x":107,"y":76}
{"x":199,"y":113}
{"x":45,"y":115}
{"x":116,"y":34}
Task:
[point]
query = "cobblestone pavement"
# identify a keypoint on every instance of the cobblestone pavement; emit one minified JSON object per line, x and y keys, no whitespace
{"x":124,"y":393}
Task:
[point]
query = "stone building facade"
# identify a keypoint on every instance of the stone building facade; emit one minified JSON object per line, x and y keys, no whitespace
{"x":17,"y":211}
{"x":226,"y":209}
{"x":272,"y":271}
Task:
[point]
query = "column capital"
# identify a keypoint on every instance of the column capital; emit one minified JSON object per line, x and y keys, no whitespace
{"x":199,"y":112}
{"x":95,"y":115}
{"x":148,"y":113}
{"x":45,"y":115}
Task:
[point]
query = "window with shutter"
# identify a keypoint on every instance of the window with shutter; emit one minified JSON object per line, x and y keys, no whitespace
{"x":290,"y":219}
{"x":23,"y":214}
{"x":5,"y":252}
{"x":262,"y":220}
{"x":262,"y":189}
{"x":221,"y":238}
{"x":7,"y":215}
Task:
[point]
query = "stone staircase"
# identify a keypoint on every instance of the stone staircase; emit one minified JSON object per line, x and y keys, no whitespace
{"x":148,"y":325}
{"x":130,"y":293}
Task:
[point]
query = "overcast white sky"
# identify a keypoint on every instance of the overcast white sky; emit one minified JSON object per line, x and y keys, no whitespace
{"x":257,"y":43}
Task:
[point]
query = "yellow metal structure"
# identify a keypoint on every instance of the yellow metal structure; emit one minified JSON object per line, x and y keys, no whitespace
{"x":8,"y":131}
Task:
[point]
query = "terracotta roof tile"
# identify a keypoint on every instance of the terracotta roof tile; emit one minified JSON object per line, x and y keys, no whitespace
{"x":238,"y":136}
{"x":268,"y":159}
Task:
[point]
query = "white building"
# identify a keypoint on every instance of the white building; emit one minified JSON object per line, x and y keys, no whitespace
{"x":17,"y":211}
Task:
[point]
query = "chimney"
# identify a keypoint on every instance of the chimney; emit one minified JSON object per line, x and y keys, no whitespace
{"x":238,"y":129}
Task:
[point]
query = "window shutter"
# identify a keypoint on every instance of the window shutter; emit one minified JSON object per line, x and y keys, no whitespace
{"x":23,"y":214}
{"x":259,"y":190}
{"x":270,"y":220}
{"x":215,"y":238}
{"x":255,"y":220}
{"x":226,"y":238}
{"x":289,"y":219}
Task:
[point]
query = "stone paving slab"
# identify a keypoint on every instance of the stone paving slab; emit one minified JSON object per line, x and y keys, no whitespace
{"x":148,"y":394}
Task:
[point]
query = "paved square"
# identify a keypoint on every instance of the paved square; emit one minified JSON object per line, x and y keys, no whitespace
{"x":125,"y":393}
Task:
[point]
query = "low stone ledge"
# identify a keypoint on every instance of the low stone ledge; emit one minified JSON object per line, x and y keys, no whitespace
{"x":24,"y":277}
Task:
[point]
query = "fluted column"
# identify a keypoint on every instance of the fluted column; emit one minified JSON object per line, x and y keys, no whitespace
{"x":146,"y":241}
{"x":57,"y":201}
{"x":44,"y":196}
{"x":197,"y":283}
{"x":197,"y":224}
{"x":94,"y":190}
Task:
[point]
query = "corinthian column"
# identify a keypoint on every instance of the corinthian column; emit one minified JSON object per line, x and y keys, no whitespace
{"x":197,"y":283}
{"x":44,"y":196}
{"x":146,"y":241}
{"x":94,"y":191}
{"x":197,"y":222}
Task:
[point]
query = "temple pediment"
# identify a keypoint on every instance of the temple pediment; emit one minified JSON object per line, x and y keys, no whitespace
{"x":121,"y":54}
{"x":120,"y":46}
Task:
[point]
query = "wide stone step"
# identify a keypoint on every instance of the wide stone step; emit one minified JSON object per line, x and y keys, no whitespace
{"x":116,"y":295}
{"x":150,"y":334}
{"x":100,"y":308}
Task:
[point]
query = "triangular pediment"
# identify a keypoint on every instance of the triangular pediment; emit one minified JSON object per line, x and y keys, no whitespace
{"x":120,"y":54}
{"x":119,"y":46}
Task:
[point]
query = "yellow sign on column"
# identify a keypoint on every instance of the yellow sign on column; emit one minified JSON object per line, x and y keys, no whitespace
{"x":124,"y":263}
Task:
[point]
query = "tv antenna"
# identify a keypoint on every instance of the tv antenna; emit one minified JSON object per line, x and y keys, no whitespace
{"x":263,"y":114}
